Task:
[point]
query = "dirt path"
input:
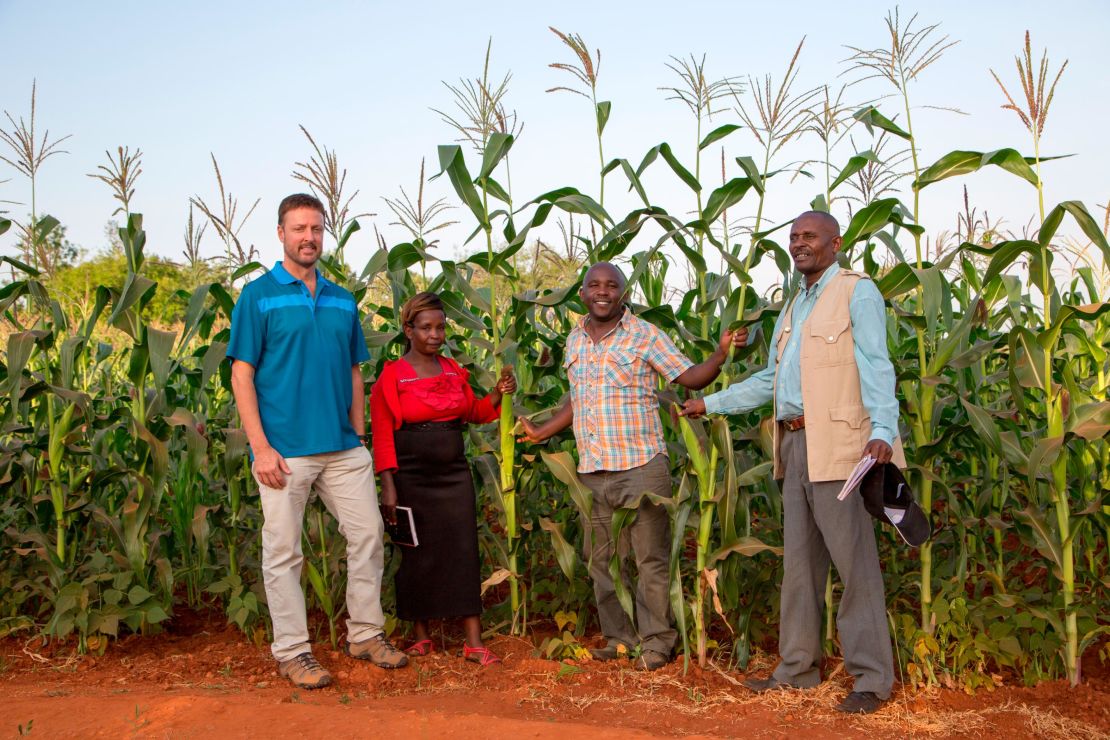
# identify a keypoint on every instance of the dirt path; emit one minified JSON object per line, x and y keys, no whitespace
{"x":211,"y":683}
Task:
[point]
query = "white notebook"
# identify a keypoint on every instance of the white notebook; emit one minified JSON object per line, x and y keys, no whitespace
{"x":857,"y":475}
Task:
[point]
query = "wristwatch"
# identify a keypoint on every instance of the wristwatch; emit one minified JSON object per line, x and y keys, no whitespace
{"x":364,"y":438}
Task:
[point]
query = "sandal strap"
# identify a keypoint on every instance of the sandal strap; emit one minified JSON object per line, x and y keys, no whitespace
{"x":487,"y":656}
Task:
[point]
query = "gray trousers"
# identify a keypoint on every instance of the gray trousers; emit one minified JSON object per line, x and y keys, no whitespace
{"x":816,"y":526}
{"x":650,"y":538}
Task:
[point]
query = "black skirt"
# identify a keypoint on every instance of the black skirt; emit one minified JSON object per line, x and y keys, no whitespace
{"x":441,"y":577}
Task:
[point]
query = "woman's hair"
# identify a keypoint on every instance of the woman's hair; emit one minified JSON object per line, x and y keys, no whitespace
{"x":420,"y":302}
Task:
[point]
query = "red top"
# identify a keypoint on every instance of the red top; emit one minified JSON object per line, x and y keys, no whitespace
{"x":401,"y":396}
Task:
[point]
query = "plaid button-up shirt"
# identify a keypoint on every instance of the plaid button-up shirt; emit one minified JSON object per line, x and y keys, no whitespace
{"x":612,"y":390}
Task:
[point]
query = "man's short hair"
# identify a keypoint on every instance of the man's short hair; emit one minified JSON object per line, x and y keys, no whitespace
{"x":299,"y":200}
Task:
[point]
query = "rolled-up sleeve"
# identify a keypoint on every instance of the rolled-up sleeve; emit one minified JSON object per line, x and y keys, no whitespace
{"x":876,"y":373}
{"x":752,"y":392}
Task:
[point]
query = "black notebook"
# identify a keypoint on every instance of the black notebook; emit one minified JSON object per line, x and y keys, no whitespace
{"x":404,"y":531}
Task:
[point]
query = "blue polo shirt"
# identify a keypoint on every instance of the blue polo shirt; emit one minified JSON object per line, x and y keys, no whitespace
{"x":302,"y":349}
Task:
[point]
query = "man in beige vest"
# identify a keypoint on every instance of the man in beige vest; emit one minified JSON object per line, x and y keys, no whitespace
{"x":831,"y":385}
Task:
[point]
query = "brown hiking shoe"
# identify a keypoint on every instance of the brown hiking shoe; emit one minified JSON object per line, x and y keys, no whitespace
{"x":379,"y":651}
{"x":305,"y":672}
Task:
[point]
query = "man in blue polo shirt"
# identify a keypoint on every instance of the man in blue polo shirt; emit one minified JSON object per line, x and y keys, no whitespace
{"x":296,"y":346}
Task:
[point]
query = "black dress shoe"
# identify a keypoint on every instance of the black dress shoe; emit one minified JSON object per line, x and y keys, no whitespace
{"x":759,"y":685}
{"x":860,"y":702}
{"x":609,"y":652}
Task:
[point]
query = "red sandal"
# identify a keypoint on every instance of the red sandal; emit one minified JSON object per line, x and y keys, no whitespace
{"x":483,"y":656}
{"x":421,"y":648}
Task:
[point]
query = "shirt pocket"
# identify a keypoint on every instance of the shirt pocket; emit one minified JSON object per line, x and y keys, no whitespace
{"x":620,"y":369}
{"x":832,"y":341}
{"x":851,"y":427}
{"x":574,"y":369}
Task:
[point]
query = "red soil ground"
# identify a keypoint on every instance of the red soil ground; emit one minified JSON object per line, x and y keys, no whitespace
{"x":202,"y":679}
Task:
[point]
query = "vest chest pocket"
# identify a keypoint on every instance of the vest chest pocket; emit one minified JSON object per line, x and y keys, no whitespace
{"x":830,"y":341}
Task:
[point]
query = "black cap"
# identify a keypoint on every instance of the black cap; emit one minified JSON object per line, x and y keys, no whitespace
{"x":884,"y":487}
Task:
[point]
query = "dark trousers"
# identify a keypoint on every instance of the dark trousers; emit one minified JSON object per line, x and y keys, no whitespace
{"x":649,"y":536}
{"x":818,"y":527}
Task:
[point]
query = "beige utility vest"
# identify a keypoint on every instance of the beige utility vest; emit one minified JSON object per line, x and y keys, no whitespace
{"x":838,"y":426}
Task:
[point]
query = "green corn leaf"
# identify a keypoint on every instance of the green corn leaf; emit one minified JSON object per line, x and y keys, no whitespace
{"x":746,"y":546}
{"x":378,"y":261}
{"x":1005,"y":254}
{"x":717,"y":134}
{"x":562,"y":466}
{"x":1090,"y":421}
{"x":871,"y":218}
{"x":725,"y":197}
{"x":965,"y":162}
{"x":1027,"y":358}
{"x":1046,"y":543}
{"x":901,"y":279}
{"x":604,"y":108}
{"x":871,"y":118}
{"x":1067,"y":315}
{"x":564,"y":552}
{"x":21,"y":266}
{"x":452,"y":162}
{"x":983,"y":424}
{"x":751,"y":169}
{"x":160,"y":345}
{"x":622,"y":518}
{"x":497,"y":148}
{"x":246,"y":269}
{"x":855,"y":164}
{"x":664,"y":150}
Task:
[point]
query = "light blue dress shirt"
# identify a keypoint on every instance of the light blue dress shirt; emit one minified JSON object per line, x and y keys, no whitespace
{"x":876,"y":373}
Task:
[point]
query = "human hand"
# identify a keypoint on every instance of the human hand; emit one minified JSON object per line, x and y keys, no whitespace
{"x":692,"y":408}
{"x":879,"y":450}
{"x":270,"y":468}
{"x":506,"y":384}
{"x":531,"y":432}
{"x":388,"y":505}
{"x":733,"y":339}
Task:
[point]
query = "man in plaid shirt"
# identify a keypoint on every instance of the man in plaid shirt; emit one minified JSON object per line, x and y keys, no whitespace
{"x":614,"y":361}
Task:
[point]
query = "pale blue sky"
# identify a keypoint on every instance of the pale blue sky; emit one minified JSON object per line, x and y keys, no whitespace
{"x":236,"y":78}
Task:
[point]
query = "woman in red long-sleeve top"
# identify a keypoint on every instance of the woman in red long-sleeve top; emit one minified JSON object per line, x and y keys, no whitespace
{"x":418,"y":409}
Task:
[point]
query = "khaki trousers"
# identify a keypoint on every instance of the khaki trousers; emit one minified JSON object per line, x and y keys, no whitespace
{"x":816,"y":528}
{"x":650,"y":538}
{"x":344,"y":482}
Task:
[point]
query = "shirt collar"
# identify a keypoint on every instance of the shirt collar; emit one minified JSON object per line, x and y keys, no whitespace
{"x":624,"y":321}
{"x":824,"y":280}
{"x":282,"y":276}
